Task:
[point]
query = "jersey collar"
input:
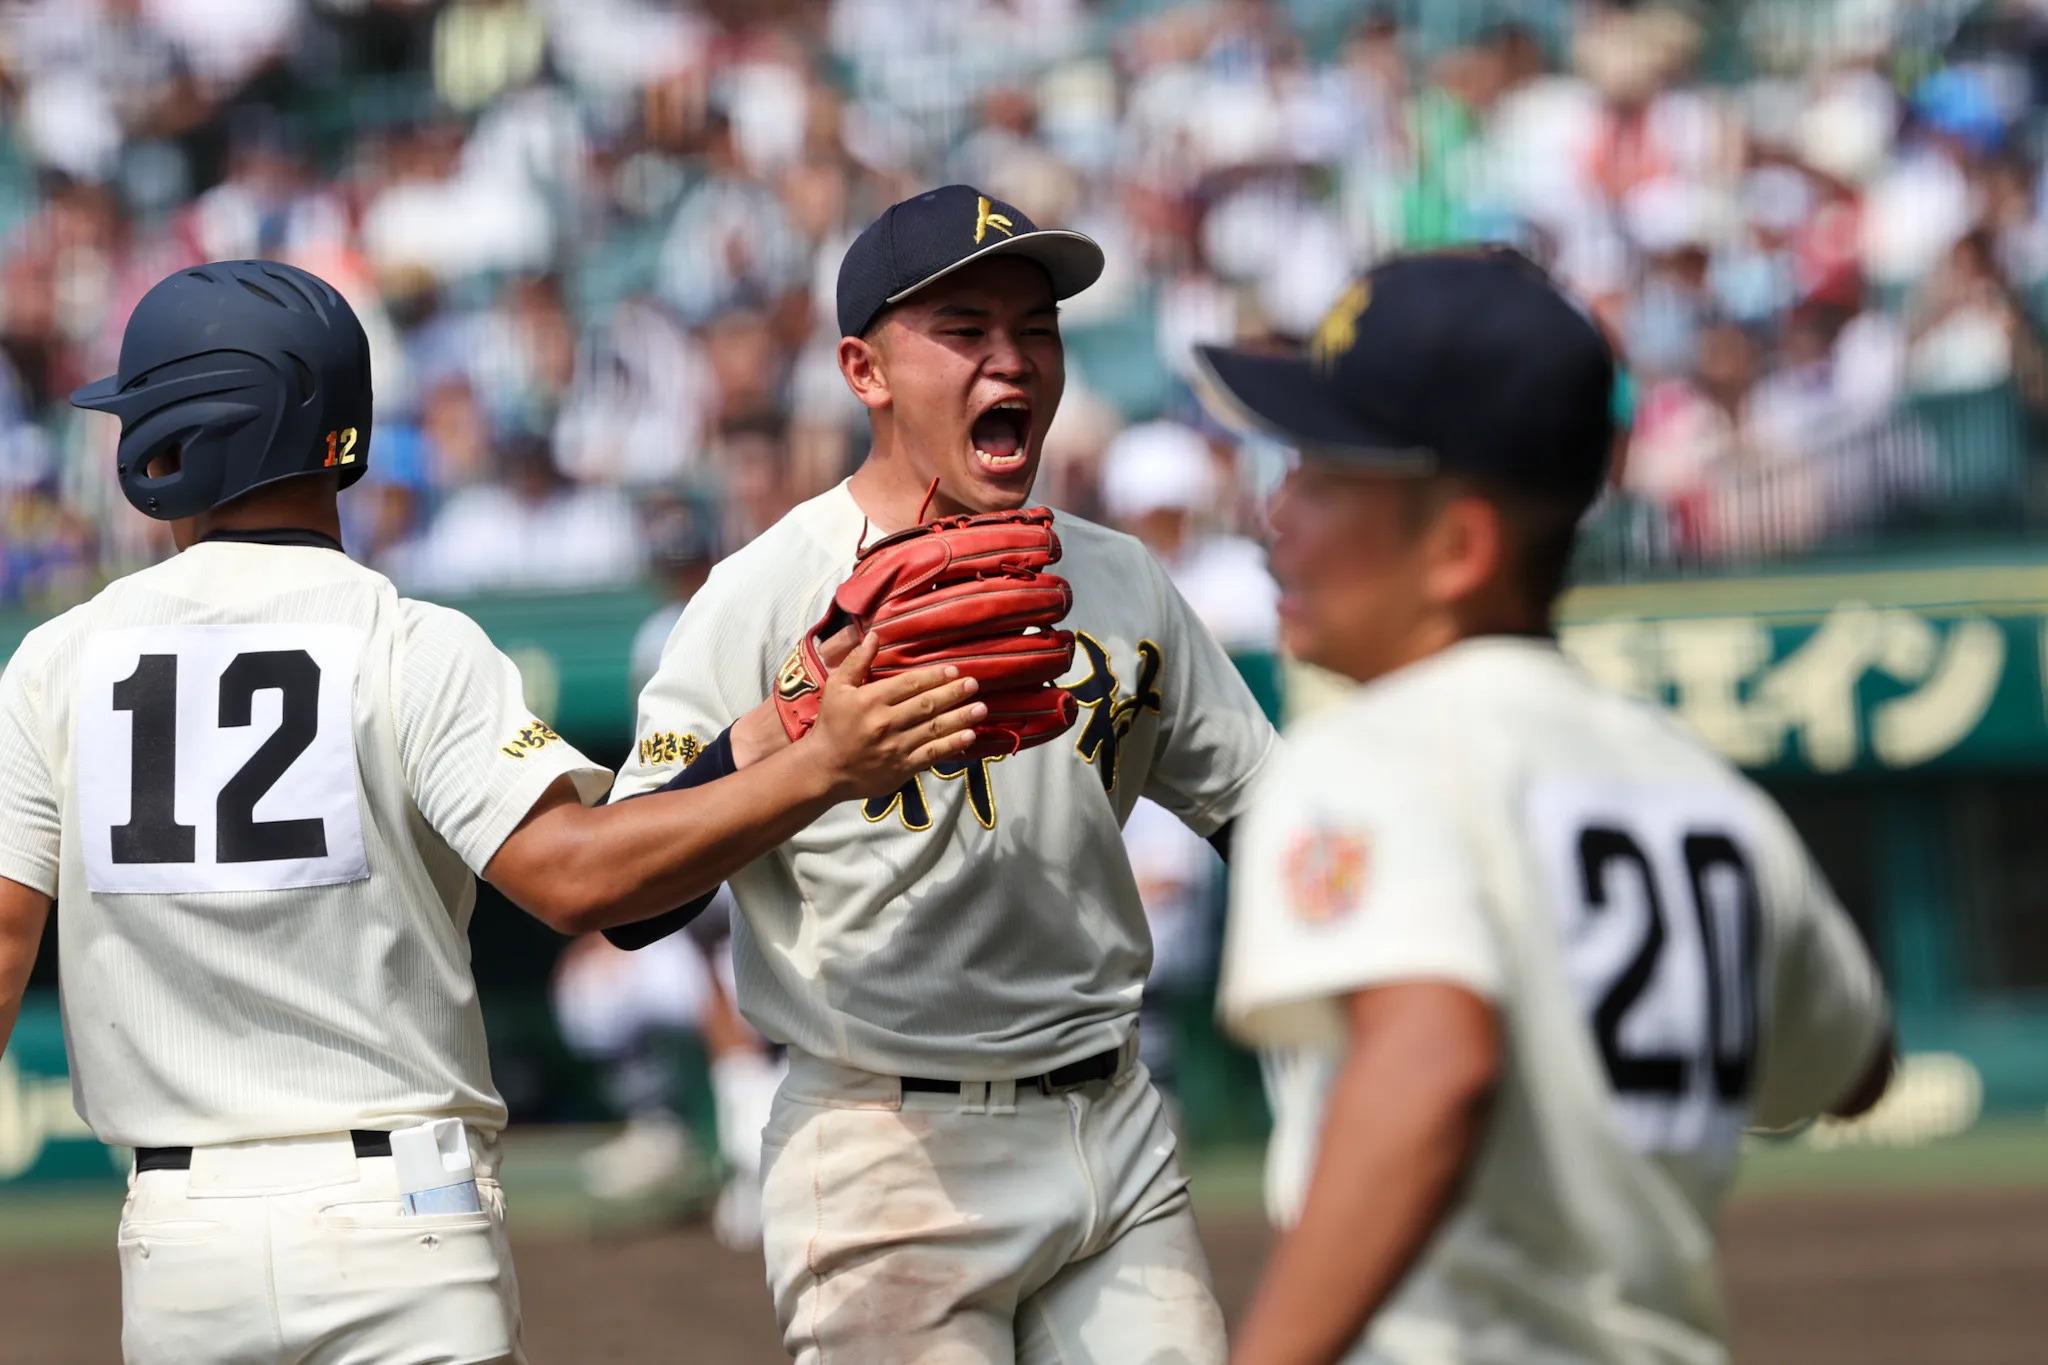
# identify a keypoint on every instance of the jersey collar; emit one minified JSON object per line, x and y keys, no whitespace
{"x":281,"y":535}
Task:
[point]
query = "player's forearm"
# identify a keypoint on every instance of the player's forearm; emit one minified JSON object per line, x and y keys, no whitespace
{"x":10,"y":1010}
{"x":758,"y":734}
{"x":646,"y":856}
{"x":1392,"y":1154}
{"x":23,"y":913}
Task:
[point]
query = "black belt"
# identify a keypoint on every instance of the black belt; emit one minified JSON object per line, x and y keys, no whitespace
{"x":366,"y":1142}
{"x":1101,"y":1067}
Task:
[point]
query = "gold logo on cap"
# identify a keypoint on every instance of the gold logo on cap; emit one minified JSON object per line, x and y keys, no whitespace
{"x":1337,"y":333}
{"x":985,"y":218}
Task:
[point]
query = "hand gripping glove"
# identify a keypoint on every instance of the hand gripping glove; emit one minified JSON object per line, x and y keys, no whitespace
{"x":970,"y":591}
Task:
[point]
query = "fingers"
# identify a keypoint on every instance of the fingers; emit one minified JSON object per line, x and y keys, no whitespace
{"x":951,"y":722}
{"x":944,"y":735}
{"x":834,"y":648}
{"x":920,"y":685}
{"x":939,"y":750}
{"x":853,"y":669}
{"x":925,"y":704}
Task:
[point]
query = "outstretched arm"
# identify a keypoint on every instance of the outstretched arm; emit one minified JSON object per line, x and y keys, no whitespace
{"x":23,"y":912}
{"x":747,"y":741}
{"x":1386,"y":1173}
{"x":579,"y":868}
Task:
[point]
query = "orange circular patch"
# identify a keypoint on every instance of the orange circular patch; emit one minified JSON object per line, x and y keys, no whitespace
{"x":1325,"y":873}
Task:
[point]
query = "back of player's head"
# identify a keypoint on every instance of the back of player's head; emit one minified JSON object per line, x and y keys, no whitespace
{"x":234,"y":376}
{"x":1464,"y":362}
{"x":1466,"y":368}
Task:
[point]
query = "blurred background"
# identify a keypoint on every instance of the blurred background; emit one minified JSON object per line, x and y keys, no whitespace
{"x":593,"y":242}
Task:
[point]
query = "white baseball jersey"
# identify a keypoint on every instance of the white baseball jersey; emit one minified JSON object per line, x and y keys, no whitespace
{"x":258,"y":780}
{"x":1667,"y":963}
{"x":983,"y":921}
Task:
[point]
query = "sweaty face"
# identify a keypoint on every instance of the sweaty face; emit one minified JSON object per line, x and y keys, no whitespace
{"x":1347,"y":552}
{"x":975,"y":370}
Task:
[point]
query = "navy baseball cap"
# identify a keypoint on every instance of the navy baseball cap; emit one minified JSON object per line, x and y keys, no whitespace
{"x":924,"y":239}
{"x":1456,"y":362}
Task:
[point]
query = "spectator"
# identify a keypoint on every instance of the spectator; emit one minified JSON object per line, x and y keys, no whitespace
{"x":535,"y":531}
{"x":613,"y":221}
{"x":1967,"y":331}
{"x":1159,"y":482}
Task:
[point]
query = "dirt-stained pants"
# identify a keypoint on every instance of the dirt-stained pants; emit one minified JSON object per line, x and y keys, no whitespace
{"x":997,"y":1224}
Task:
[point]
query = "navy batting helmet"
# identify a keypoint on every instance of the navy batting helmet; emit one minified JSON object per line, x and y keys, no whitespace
{"x":252,"y":371}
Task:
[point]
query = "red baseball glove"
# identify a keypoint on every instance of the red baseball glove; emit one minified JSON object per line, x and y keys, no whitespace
{"x":970,"y":591}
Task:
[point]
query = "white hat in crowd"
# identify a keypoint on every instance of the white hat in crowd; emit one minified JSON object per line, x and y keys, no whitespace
{"x":1154,"y":466}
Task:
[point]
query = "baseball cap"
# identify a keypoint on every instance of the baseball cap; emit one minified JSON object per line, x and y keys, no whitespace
{"x":1457,"y":362}
{"x":926,"y":238}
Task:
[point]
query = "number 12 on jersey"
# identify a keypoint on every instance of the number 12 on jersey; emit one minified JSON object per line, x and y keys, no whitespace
{"x":1660,"y":916}
{"x":218,"y":758}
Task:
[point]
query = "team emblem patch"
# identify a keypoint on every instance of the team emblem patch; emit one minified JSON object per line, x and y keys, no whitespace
{"x":1325,"y":874}
{"x":535,"y":734}
{"x":666,"y":746}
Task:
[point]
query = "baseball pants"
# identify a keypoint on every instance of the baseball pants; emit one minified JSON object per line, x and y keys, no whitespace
{"x":298,"y":1252}
{"x":996,"y":1224}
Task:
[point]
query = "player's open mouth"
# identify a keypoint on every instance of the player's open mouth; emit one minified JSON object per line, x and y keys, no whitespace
{"x":1002,"y":436}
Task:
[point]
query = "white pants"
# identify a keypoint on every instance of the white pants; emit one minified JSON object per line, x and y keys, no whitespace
{"x":298,"y":1252}
{"x":982,"y":1227}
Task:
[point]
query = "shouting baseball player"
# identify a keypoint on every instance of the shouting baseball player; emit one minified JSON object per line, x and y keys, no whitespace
{"x":1533,"y":957}
{"x":965,"y":1161}
{"x":260,"y":781}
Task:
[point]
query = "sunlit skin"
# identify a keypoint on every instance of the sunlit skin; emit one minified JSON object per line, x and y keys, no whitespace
{"x":1371,"y":580}
{"x":934,"y":365}
{"x":938,"y":363}
{"x":308,"y":503}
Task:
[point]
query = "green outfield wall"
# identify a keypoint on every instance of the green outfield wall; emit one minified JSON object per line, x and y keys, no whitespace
{"x":1898,"y":708}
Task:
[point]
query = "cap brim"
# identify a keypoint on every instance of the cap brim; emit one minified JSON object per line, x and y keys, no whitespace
{"x":1072,"y":259}
{"x":1288,"y":397}
{"x":98,"y":394}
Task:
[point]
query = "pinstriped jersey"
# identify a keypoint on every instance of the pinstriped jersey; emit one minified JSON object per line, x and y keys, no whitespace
{"x":983,"y":921}
{"x":258,"y":782}
{"x":1666,"y":961}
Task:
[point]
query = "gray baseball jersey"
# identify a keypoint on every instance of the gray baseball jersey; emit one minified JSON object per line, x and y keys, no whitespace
{"x":1667,"y":962}
{"x":258,"y":780}
{"x":983,"y":921}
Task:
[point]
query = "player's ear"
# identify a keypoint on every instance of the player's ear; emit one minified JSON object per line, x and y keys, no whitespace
{"x":861,"y":365}
{"x":1468,"y":548}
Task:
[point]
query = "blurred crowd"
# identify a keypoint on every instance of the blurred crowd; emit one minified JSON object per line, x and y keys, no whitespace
{"x":594,"y":240}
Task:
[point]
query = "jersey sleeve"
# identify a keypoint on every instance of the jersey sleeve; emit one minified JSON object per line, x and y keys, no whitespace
{"x":695,"y":692}
{"x":31,"y":820}
{"x":1214,"y":738}
{"x":474,"y":757}
{"x":1828,"y":1014}
{"x":1356,"y":872}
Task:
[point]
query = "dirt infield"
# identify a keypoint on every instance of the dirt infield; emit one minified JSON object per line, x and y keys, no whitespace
{"x":1958,"y":1277}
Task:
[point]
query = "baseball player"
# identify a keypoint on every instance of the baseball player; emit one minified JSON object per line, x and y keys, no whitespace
{"x":965,"y":1162}
{"x":260,"y":780}
{"x":1530,"y":956}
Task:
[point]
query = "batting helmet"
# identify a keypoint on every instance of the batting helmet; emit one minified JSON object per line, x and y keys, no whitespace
{"x":252,"y":371}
